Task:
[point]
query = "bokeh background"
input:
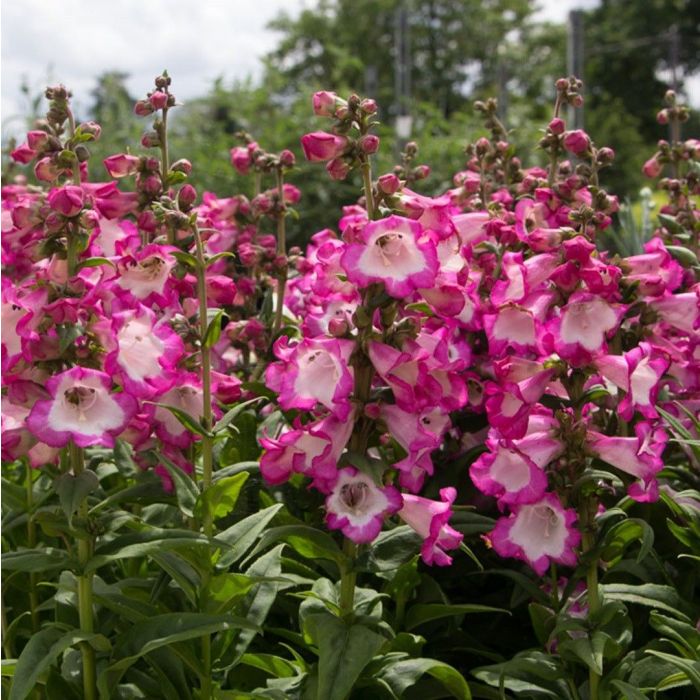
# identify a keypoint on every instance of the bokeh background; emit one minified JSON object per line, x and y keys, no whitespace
{"x":253,"y":65}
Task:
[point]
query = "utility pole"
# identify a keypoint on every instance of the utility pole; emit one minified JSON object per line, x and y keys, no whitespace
{"x":402,"y":76}
{"x":574,"y":60}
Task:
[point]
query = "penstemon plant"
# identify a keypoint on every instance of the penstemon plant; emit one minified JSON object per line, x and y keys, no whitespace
{"x":236,"y":470}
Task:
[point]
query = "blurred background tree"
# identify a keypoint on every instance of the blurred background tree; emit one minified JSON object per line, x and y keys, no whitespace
{"x":432,"y":59}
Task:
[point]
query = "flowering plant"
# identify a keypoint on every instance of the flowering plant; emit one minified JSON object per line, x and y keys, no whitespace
{"x":208,"y":436}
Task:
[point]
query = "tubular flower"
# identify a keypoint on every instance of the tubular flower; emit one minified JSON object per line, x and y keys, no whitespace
{"x":82,"y":408}
{"x":393,"y":251}
{"x":357,"y":506}
{"x":315,"y":370}
{"x":538,"y":533}
{"x":430,"y":520}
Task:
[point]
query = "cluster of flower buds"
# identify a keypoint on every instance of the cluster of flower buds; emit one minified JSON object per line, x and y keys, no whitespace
{"x":338,"y":148}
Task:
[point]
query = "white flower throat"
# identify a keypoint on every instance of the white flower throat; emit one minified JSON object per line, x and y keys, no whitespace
{"x":80,"y":399}
{"x":355,"y":496}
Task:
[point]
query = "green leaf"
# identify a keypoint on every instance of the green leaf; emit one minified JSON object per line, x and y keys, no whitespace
{"x":272,"y":665}
{"x":307,"y":541}
{"x":403,"y":674}
{"x":622,"y":535}
{"x":344,"y":650}
{"x":233,"y":413}
{"x":41,"y":651}
{"x":158,"y":632}
{"x":221,"y":497}
{"x":186,"y":490}
{"x":186,"y":259}
{"x":94,"y":262}
{"x":629,"y":692}
{"x":73,"y":490}
{"x":243,"y":534}
{"x":258,"y":602}
{"x":587,"y":649}
{"x":691,"y":669}
{"x":426,"y":612}
{"x":213,"y":332}
{"x":390,"y":550}
{"x":139,"y":544}
{"x":219,"y":256}
{"x":47,"y":559}
{"x":186,"y":419}
{"x":652,"y":595}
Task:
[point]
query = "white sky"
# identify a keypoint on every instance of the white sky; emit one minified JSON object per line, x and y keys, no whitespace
{"x":72,"y":41}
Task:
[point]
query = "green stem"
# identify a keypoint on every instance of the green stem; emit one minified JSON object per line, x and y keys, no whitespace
{"x":164,"y":156}
{"x":207,"y":442}
{"x":72,"y":250}
{"x":587,"y":517}
{"x":348,"y":579}
{"x":206,"y":688}
{"x":85,"y":607}
{"x":281,"y":251}
{"x":7,"y":649}
{"x":31,"y":543}
{"x":367,"y":184}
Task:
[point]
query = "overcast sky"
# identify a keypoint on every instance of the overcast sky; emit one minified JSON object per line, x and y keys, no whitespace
{"x":72,"y":41}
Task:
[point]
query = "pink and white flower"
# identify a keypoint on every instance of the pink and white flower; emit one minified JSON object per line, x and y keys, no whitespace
{"x":430,"y":520}
{"x":82,"y":408}
{"x":639,"y":456}
{"x":146,"y":353}
{"x":393,"y":251}
{"x":538,"y":533}
{"x":313,"y":371}
{"x":313,"y":450}
{"x":358,"y":507}
{"x":638,"y":373}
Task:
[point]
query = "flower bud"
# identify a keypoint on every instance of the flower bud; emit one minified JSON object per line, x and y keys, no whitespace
{"x":420,"y":172}
{"x":186,"y":197}
{"x":325,"y":103}
{"x":37,"y":139}
{"x":143,"y":108}
{"x":338,"y":327}
{"x":320,"y":145}
{"x":652,"y":168}
{"x":158,"y":99}
{"x":91,"y":128}
{"x":662,"y":117}
{"x":67,"y":200}
{"x":369,"y":143}
{"x":368,"y":106}
{"x":577,"y":142}
{"x":338,"y":169}
{"x":241,"y":159}
{"x":562,"y":84}
{"x":150,"y":139}
{"x":287,"y":159}
{"x":82,"y":153}
{"x":182,"y":166}
{"x":557,"y":126}
{"x":147,"y":221}
{"x":606,"y":155}
{"x":46,"y":170}
{"x":389,"y":183}
{"x":23,"y":154}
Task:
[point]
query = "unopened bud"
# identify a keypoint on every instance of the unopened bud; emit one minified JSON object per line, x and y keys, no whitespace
{"x":82,"y":153}
{"x":557,"y":126}
{"x":150,"y":139}
{"x":182,"y":166}
{"x":562,"y":84}
{"x":338,"y":327}
{"x":606,"y":155}
{"x":186,"y":197}
{"x":368,"y":106}
{"x":158,"y":99}
{"x":662,"y":117}
{"x":420,"y":172}
{"x":287,"y":159}
{"x":389,"y":183}
{"x":143,"y":108}
{"x":369,"y":143}
{"x":91,"y":128}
